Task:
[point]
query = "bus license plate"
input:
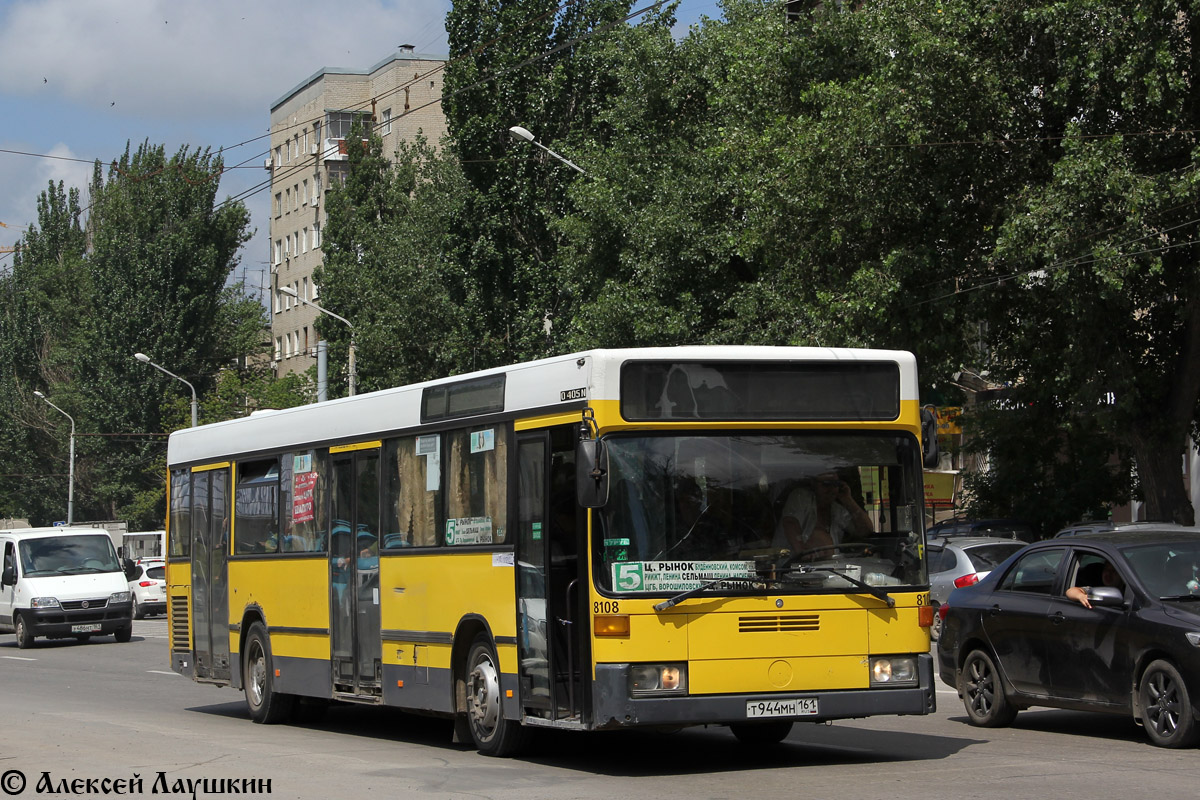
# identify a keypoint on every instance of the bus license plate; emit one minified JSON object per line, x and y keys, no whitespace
{"x":799,"y":707}
{"x":93,"y":627}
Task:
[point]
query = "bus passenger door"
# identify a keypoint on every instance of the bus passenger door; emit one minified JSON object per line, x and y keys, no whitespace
{"x":354,"y":572}
{"x":547,"y":571}
{"x":210,"y":573}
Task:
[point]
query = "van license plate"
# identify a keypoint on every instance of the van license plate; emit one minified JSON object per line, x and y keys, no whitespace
{"x":92,"y":627}
{"x":798,"y":707}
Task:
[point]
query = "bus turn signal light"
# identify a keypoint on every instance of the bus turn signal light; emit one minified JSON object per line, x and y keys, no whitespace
{"x":611,"y":624}
{"x":925,"y":616}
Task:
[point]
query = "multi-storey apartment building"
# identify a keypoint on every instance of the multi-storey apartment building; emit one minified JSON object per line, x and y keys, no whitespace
{"x":402,"y":96}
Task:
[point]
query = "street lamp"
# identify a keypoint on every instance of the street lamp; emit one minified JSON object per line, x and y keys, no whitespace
{"x":145,"y":359}
{"x":521,"y":133}
{"x":290,"y":292}
{"x":71,"y":468}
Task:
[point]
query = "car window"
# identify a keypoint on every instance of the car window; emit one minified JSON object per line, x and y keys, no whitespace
{"x":1033,"y":572}
{"x":987,"y":557}
{"x":941,"y":559}
{"x":158,"y":573}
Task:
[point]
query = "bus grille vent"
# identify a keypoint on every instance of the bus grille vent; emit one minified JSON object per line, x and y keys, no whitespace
{"x":783,"y":623}
{"x":181,"y":640}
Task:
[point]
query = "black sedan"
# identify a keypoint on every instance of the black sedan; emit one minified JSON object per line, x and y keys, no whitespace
{"x":1103,"y":622}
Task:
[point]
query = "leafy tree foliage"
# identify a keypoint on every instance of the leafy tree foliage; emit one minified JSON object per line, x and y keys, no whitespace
{"x":147,"y":273}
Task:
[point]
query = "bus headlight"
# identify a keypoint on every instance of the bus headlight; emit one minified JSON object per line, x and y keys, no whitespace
{"x":894,"y":671}
{"x":44,"y":602}
{"x":657,"y":679}
{"x":120,"y":597}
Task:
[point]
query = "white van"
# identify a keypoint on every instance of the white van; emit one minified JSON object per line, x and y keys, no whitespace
{"x":63,"y":583}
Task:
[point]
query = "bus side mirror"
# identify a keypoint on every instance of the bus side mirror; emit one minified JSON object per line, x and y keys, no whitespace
{"x":591,"y":473}
{"x":929,"y":443}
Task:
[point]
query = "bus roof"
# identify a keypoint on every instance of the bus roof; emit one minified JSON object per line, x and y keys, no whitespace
{"x":559,"y":383}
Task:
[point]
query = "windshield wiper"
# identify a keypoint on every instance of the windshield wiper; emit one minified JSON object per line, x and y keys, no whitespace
{"x":874,"y":591}
{"x":704,"y":587}
{"x":1181,"y":597}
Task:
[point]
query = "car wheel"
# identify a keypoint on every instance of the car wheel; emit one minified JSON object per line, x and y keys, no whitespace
{"x":123,"y":635}
{"x":761,"y":734}
{"x":24,"y":635}
{"x":138,"y":613}
{"x":1166,"y":706}
{"x":492,"y":733}
{"x":266,"y":706}
{"x":983,"y":692}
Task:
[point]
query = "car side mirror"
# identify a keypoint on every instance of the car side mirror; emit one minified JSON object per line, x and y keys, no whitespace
{"x":1106,"y":596}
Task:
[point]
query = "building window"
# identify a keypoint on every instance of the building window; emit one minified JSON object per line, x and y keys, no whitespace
{"x":296,"y":197}
{"x":386,"y":127}
{"x":305,"y":191}
{"x":337,"y":123}
{"x":278,"y":204}
{"x":287,"y":204}
{"x":304,"y":239}
{"x":305,"y":330}
{"x":287,"y":247}
{"x":305,"y":150}
{"x":278,"y":345}
{"x":278,"y":251}
{"x":304,"y":288}
{"x":316,"y":243}
{"x":278,"y":155}
{"x":314,"y":291}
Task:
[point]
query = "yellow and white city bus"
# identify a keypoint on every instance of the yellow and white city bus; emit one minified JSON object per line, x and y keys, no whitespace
{"x":610,"y":539}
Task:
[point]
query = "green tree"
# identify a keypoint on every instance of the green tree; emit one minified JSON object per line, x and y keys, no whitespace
{"x":161,"y":251}
{"x":46,"y":295}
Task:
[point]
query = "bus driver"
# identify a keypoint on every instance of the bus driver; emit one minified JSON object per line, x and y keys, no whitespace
{"x":819,"y":517}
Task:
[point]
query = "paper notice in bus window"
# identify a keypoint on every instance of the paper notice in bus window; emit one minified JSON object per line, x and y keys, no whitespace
{"x":302,"y":463}
{"x":302,"y":496}
{"x":675,"y":576}
{"x":482,"y":441}
{"x":468,"y":530}
{"x":427,"y":444}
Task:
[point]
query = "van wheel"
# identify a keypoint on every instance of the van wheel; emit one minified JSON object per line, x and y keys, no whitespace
{"x":24,"y":635}
{"x":266,"y":706}
{"x":492,"y":733}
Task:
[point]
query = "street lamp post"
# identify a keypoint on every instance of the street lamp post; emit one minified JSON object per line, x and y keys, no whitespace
{"x":71,"y":468}
{"x":290,"y":292}
{"x":521,"y":133}
{"x":145,"y":359}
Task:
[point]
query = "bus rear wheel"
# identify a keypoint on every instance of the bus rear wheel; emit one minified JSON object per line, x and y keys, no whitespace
{"x":492,"y":733}
{"x":266,"y":706}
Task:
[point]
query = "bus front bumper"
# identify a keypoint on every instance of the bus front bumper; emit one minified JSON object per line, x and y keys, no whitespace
{"x":615,"y":708}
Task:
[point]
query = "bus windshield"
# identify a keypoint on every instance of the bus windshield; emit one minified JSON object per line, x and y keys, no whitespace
{"x":789,"y":512}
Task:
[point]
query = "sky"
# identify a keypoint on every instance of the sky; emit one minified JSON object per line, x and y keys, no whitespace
{"x":81,"y":78}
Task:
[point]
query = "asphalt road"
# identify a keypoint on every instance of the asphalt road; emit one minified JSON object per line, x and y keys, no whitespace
{"x":71,"y":712}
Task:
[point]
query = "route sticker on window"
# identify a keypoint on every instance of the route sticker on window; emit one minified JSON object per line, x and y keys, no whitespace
{"x":483,"y":441}
{"x":675,"y":576}
{"x":468,"y":530}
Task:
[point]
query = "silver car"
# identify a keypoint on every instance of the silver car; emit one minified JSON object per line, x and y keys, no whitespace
{"x":962,"y":561}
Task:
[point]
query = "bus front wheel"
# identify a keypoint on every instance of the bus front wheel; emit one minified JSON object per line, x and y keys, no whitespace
{"x":258,"y":677}
{"x":492,"y":733}
{"x":761,"y":734}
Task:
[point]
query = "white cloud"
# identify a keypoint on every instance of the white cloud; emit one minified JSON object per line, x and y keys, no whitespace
{"x":197,"y":59}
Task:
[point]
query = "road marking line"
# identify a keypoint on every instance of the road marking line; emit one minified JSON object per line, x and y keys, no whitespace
{"x":18,"y":658}
{"x":160,"y":672}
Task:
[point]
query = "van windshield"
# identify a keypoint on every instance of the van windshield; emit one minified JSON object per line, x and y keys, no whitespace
{"x":68,"y":555}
